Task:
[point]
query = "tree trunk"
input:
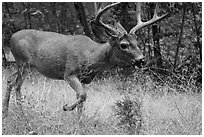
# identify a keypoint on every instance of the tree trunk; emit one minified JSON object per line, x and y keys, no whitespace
{"x":180,"y":37}
{"x":197,"y":33}
{"x":156,"y":48}
{"x":54,"y":17}
{"x":10,"y":17}
{"x":29,"y":16}
{"x":25,"y":17}
{"x":149,"y":36}
{"x":124,"y":15}
{"x":155,"y":32}
{"x":82,"y":17}
{"x":63,"y":18}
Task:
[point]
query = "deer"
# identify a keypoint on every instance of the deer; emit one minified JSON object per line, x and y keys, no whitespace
{"x":77,"y":59}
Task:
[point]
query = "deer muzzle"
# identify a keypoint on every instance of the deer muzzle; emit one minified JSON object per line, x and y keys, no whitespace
{"x":140,"y":63}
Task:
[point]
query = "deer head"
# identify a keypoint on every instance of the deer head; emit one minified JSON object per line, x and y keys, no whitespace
{"x":126,"y":51}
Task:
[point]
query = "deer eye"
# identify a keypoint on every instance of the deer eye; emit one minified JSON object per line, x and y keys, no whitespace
{"x":124,"y":46}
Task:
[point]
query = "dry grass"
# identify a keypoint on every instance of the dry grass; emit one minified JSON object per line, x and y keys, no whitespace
{"x":163,"y":111}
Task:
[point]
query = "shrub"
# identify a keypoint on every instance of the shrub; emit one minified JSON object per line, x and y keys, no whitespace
{"x":128,"y":113}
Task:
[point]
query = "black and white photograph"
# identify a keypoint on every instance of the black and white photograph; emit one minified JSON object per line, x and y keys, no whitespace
{"x":101,"y":68}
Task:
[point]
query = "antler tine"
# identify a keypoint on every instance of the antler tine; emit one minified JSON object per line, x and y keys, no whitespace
{"x":120,"y":28}
{"x":138,"y":12}
{"x":141,"y":24}
{"x":101,"y":12}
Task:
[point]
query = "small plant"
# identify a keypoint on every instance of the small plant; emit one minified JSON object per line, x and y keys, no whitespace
{"x":128,"y":113}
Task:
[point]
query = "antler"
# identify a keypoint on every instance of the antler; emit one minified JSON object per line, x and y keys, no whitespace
{"x":101,"y":12}
{"x":118,"y":30}
{"x":141,"y":24}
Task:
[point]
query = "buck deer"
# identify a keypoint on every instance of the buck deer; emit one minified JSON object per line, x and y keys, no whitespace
{"x":75,"y":58}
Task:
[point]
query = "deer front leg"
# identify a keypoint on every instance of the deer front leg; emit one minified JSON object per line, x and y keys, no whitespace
{"x":81,"y":94}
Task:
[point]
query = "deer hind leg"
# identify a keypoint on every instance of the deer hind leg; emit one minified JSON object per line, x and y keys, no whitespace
{"x":22,"y":73}
{"x":81,"y":94}
{"x":10,"y":84}
{"x":14,"y":81}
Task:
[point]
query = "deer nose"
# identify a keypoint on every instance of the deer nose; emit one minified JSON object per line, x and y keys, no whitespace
{"x":143,"y":61}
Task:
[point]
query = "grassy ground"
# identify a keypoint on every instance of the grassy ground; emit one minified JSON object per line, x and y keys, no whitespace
{"x":163,"y":110}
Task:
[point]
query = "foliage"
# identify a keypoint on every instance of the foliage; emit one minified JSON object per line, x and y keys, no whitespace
{"x":129,"y":115}
{"x":162,"y":108}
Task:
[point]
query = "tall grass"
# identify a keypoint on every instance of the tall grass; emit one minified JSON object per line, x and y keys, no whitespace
{"x":163,"y":110}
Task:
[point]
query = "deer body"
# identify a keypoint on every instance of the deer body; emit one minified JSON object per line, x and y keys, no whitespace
{"x":55,"y":55}
{"x":76,"y":59}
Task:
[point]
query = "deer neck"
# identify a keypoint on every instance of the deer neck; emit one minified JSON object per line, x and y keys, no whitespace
{"x":98,"y":62}
{"x":101,"y":56}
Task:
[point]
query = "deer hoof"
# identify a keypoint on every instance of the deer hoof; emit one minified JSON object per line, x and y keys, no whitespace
{"x":69,"y":108}
{"x":32,"y":133}
{"x":4,"y":114}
